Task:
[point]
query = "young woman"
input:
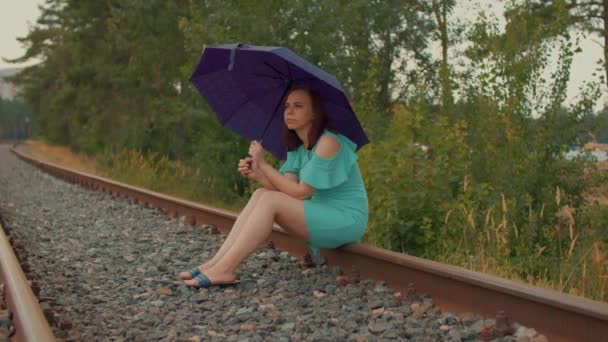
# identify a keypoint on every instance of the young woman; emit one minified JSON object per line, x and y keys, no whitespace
{"x":317,"y":195}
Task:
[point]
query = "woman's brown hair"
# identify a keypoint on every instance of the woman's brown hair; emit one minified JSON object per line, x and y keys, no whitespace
{"x":319,"y":123}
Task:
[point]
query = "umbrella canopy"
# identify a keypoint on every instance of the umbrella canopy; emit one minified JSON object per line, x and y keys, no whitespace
{"x":245,"y":85}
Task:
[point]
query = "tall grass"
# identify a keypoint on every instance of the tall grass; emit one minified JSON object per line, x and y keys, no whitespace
{"x":158,"y":173}
{"x":572,"y":258}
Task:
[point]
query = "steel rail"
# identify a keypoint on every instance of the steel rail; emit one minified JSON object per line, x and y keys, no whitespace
{"x":559,"y":316}
{"x":28,"y":320}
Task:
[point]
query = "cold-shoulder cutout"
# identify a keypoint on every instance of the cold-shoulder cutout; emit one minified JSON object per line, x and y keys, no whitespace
{"x":327,"y":147}
{"x":325,"y":173}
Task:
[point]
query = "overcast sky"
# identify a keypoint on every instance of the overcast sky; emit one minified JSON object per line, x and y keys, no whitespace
{"x":16,"y":16}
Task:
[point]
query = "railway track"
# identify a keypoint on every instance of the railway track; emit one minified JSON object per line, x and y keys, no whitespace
{"x":558,"y":316}
{"x":27,"y":319}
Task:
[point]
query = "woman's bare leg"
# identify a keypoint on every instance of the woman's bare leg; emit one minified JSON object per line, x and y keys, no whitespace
{"x":234,"y":232}
{"x":272,"y":205}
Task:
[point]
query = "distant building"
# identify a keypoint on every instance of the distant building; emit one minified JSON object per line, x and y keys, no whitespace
{"x":8,"y":90}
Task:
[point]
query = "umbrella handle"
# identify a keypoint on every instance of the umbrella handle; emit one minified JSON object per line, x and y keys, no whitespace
{"x":250,"y":156}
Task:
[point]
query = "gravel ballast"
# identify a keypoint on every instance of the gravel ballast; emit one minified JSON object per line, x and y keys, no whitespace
{"x":5,"y":321}
{"x":106,"y":269}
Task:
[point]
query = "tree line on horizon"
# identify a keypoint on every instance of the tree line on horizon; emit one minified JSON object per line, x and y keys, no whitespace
{"x":15,"y":120}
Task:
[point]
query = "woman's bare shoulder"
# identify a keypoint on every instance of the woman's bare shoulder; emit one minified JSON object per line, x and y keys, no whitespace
{"x":328,"y":146}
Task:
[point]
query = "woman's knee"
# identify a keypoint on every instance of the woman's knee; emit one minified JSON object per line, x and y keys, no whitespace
{"x":259,"y":191}
{"x":270,"y":197}
{"x":257,"y":194}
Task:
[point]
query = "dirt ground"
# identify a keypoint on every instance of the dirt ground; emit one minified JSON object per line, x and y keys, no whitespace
{"x":596,"y":147}
{"x":599,"y":194}
{"x":61,"y":155}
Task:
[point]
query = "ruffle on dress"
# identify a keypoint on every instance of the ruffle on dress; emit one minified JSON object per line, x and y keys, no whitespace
{"x":292,"y":164}
{"x":327,"y":173}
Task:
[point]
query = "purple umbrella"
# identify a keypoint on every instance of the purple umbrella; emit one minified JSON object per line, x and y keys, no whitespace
{"x":245,"y":85}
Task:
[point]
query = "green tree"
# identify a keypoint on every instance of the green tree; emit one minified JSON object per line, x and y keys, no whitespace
{"x":595,"y":127}
{"x":15,"y":120}
{"x":351,"y":39}
{"x":441,"y":10}
{"x":589,"y":16}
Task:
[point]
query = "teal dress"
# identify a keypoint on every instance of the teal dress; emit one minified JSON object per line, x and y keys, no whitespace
{"x":337,"y":212}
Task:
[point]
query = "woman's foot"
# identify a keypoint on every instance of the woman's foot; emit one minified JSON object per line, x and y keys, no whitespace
{"x":187,"y":275}
{"x":215,"y":277}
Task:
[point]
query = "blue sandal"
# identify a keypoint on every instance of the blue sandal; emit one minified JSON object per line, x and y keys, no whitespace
{"x":193,"y":273}
{"x":204,"y":281}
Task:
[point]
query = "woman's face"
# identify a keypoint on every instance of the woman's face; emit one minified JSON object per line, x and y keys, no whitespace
{"x":298,"y":110}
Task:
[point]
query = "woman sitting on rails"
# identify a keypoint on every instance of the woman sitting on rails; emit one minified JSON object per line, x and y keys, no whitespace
{"x":317,"y":195}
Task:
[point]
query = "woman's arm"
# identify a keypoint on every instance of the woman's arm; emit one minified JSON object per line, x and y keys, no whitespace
{"x":327,"y":147}
{"x":252,"y":171}
{"x":268,"y":185}
{"x":285,"y":184}
{"x":265,"y":181}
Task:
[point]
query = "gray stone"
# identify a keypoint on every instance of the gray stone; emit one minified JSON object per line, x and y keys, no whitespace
{"x":455,"y":335}
{"x":505,"y":339}
{"x":414,"y":332}
{"x":378,"y":328}
{"x":448,"y":319}
{"x":157,"y":303}
{"x":375,"y":304}
{"x":244,"y":310}
{"x":330,"y":289}
{"x":287,"y":327}
{"x":4,"y":315}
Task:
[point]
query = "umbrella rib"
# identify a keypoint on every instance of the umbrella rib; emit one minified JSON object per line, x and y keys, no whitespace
{"x":305,"y":79}
{"x":274,"y":111}
{"x":249,"y":99}
{"x":270,"y":76}
{"x":289,"y":71}
{"x":276,"y":70}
